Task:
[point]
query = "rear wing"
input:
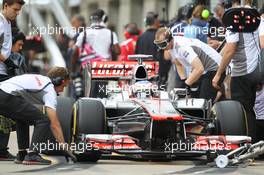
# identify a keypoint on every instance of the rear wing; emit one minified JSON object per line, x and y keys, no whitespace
{"x":120,"y":69}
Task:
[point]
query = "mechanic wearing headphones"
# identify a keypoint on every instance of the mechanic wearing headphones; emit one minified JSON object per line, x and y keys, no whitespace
{"x":19,"y":95}
{"x":98,"y":37}
{"x":191,"y":53}
{"x":101,"y":40}
{"x":243,"y":50}
{"x":10,"y":10}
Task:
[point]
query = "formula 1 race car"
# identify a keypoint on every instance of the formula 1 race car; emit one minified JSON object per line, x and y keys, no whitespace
{"x":143,"y":122}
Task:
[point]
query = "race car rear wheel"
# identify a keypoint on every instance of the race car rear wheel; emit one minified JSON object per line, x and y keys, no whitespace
{"x":230,"y":118}
{"x":89,"y":118}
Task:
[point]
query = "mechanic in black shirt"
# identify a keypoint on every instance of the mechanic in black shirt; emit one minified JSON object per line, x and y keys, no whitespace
{"x":146,"y":46}
{"x":145,"y":43}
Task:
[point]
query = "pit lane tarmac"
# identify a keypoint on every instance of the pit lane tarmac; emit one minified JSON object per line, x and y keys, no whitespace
{"x":120,"y":165}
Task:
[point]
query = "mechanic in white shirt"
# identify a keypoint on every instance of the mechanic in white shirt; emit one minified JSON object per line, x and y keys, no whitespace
{"x":191,"y":53}
{"x":100,"y":38}
{"x":10,"y":10}
{"x":19,"y":95}
{"x":104,"y":43}
{"x":243,"y":49}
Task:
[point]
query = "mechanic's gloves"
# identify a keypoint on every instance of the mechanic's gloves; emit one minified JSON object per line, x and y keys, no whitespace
{"x":10,"y":64}
{"x":70,"y":154}
{"x":188,"y":89}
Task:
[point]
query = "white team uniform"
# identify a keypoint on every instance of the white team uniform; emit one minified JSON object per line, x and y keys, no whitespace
{"x":36,"y":89}
{"x":5,"y":41}
{"x":99,"y":40}
{"x":185,"y":50}
{"x":245,"y":58}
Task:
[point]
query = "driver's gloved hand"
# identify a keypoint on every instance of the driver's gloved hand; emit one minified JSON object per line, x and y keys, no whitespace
{"x":10,"y":64}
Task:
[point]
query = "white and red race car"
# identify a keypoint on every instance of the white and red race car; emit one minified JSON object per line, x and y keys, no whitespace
{"x":143,"y":121}
{"x":136,"y":118}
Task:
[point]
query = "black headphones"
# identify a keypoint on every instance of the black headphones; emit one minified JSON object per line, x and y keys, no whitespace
{"x":99,"y":15}
{"x":105,"y":18}
{"x":57,"y":81}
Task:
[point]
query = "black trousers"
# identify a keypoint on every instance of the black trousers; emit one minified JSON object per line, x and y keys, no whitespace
{"x":243,"y":89}
{"x":207,"y":91}
{"x":259,"y":128}
{"x":4,"y":137}
{"x":24,"y":114}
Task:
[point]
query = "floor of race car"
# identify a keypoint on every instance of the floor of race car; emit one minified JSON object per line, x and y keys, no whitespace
{"x":119,"y":165}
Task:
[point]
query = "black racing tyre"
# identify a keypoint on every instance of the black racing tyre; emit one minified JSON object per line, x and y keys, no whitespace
{"x":64,"y":113}
{"x":230,"y":118}
{"x":90,"y":118}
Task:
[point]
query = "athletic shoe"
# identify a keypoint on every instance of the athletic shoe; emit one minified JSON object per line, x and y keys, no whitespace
{"x":20,"y":157}
{"x":34,"y":158}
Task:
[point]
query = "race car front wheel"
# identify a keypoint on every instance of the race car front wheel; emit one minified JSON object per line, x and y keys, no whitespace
{"x":89,"y":118}
{"x":230,"y":118}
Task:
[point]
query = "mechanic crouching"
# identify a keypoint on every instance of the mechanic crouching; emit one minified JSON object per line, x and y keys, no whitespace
{"x":18,"y":94}
{"x":194,"y":55}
